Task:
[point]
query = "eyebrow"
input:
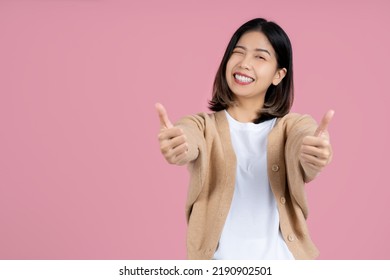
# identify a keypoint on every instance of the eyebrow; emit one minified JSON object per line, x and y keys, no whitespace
{"x":258,"y":49}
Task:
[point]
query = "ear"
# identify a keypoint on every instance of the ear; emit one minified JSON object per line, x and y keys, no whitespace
{"x":279,"y":75}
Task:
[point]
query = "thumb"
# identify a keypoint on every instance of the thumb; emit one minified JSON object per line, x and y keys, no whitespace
{"x":162,"y":113}
{"x":324,"y":123}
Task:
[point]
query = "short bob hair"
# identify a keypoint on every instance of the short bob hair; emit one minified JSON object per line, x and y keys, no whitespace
{"x":278,"y":99}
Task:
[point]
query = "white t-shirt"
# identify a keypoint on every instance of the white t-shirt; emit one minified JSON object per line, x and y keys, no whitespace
{"x":251,"y":230}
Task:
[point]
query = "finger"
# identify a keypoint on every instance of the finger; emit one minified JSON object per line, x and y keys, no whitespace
{"x":175,"y":155}
{"x":177,"y":151}
{"x":314,"y":161}
{"x":167,"y":146}
{"x":324,"y":123}
{"x":162,"y":113}
{"x":170,"y":133}
{"x":314,"y":151}
{"x":315,"y":141}
{"x":177,"y":141}
{"x":181,"y":159}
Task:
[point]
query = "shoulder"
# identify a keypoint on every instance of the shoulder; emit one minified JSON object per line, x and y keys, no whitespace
{"x":201,"y":120}
{"x":295,"y":117}
{"x":296,"y":121}
{"x":203,"y":115}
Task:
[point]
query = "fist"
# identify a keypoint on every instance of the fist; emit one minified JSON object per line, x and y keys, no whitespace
{"x":316,"y":151}
{"x":173,"y":142}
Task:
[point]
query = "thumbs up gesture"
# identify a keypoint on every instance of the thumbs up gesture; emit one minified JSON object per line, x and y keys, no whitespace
{"x":316,"y":151}
{"x":173,"y":142}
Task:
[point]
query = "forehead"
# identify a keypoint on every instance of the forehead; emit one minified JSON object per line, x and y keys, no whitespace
{"x":252,"y":40}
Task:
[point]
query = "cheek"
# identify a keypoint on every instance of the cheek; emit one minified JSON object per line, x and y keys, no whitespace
{"x":228,"y":72}
{"x":228,"y":76}
{"x":266,"y":72}
{"x":229,"y":69}
{"x":229,"y":66}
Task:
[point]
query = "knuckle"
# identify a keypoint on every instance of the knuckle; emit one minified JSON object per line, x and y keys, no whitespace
{"x":304,"y":140}
{"x":160,"y":136}
{"x":324,"y":142}
{"x":170,"y":159}
{"x":165,"y":150}
{"x":181,"y":139}
{"x":327,"y":154}
{"x":182,"y":150}
{"x":176,"y":130}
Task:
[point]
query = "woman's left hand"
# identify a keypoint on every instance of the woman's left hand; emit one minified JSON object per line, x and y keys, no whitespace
{"x":316,"y":151}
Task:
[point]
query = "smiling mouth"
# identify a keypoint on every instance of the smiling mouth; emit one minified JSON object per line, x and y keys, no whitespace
{"x":242,"y":80}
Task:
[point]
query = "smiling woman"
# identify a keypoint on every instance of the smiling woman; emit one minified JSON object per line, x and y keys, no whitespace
{"x":264,"y":49}
{"x":250,"y":159}
{"x":251,"y":71}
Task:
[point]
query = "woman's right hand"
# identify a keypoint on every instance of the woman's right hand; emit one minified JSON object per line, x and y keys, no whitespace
{"x":173,"y":142}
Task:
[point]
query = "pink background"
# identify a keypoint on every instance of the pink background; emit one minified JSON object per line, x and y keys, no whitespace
{"x":81,"y":176}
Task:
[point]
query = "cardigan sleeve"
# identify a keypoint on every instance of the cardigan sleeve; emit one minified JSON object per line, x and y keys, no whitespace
{"x":303,"y":126}
{"x":299,"y":127}
{"x":194,"y":128}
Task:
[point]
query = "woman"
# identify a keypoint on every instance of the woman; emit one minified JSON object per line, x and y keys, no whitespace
{"x":250,"y":159}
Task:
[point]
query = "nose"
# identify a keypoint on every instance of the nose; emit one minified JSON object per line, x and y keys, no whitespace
{"x":245,"y":63}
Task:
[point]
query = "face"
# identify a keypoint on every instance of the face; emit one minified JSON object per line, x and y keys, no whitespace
{"x":252,"y":67}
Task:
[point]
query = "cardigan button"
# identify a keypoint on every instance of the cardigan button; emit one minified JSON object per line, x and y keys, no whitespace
{"x":275,"y":168}
{"x":290,"y":237}
{"x":283,"y":200}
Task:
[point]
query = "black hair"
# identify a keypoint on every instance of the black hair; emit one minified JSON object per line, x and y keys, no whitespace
{"x":278,"y":99}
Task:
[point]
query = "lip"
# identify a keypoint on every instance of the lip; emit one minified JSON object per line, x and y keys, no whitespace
{"x":244,"y":75}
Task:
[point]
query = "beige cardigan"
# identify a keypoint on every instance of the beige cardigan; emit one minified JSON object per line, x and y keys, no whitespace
{"x":212,"y":180}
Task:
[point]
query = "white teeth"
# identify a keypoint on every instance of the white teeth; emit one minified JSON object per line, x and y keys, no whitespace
{"x":243,"y":79}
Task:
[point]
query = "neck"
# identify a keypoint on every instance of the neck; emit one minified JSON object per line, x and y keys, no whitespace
{"x":245,"y":111}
